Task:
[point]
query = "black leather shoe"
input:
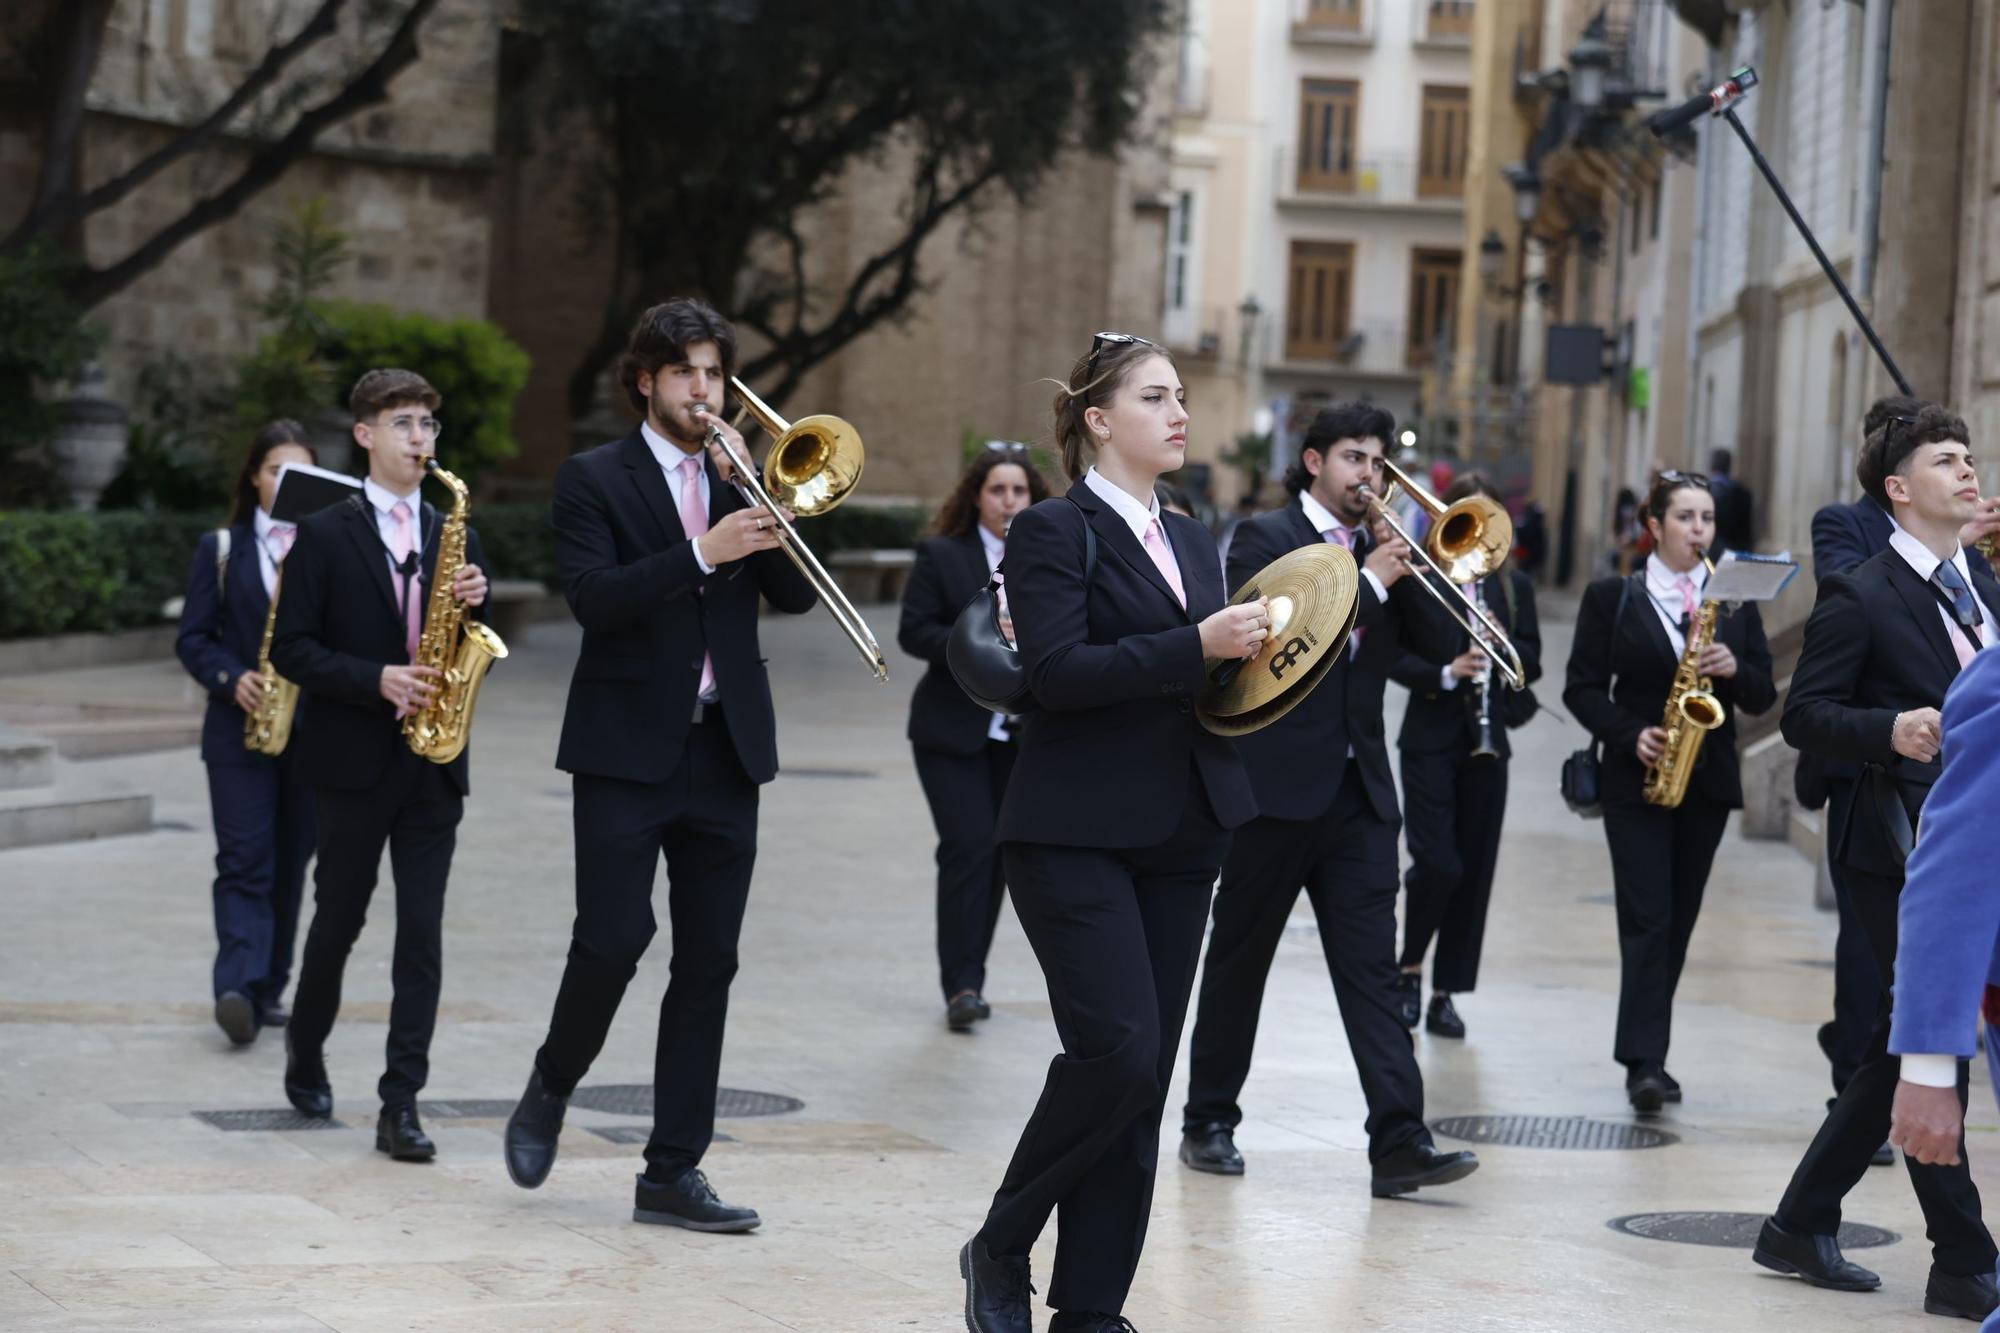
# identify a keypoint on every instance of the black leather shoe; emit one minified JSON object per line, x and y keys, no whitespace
{"x":1409,"y":999}
{"x":997,"y":1291}
{"x":275,"y":1015}
{"x":1672,"y":1095}
{"x":1971,"y":1297}
{"x":237,"y":1017}
{"x":985,"y":1009}
{"x":1442,"y":1020}
{"x":1884,"y":1156}
{"x":1090,"y":1321}
{"x":689,"y":1202}
{"x":398,"y":1134}
{"x":1418,"y":1164}
{"x":305,"y":1083}
{"x":1817,"y":1259}
{"x":1646,"y":1089}
{"x":962,"y":1011}
{"x":532,"y":1132}
{"x":1212,"y":1148}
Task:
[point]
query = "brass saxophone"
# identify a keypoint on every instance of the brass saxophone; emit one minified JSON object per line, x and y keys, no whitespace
{"x":268,"y":727}
{"x":461,"y":650}
{"x":1692,"y":712}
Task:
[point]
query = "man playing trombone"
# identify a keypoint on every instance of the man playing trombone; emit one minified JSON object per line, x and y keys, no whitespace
{"x":1327,"y":823}
{"x":667,"y":736}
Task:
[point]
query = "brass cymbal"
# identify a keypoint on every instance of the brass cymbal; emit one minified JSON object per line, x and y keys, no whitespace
{"x":1313,"y":594}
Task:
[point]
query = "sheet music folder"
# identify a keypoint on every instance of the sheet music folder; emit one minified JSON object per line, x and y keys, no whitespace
{"x":1741,"y":577}
{"x":304,"y":489}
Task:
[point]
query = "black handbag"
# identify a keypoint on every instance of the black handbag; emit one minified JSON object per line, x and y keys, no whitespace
{"x":1581,"y":789}
{"x":985,"y":665}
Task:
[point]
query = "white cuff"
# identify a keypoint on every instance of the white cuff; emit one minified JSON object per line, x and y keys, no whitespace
{"x":1447,"y":681}
{"x":1931,"y":1071}
{"x":1381,"y":593}
{"x":706,"y":568}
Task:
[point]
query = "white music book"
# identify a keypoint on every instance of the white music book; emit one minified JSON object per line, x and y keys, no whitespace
{"x":1741,"y":577}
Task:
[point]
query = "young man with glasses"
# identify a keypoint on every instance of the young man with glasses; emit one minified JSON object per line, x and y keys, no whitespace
{"x":350,"y":615}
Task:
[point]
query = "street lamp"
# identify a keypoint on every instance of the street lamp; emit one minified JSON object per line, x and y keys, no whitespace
{"x":1590,"y":63}
{"x":1247,"y":311}
{"x":1492,"y":250}
{"x":1527,"y":183}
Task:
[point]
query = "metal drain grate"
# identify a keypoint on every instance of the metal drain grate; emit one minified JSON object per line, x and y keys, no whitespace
{"x":283,"y":1118}
{"x":638,"y":1134}
{"x":1734,"y":1231}
{"x":467,"y":1108}
{"x":1551,"y":1131}
{"x":637,"y":1099}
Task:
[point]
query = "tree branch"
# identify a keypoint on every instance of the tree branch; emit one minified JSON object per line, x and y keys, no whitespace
{"x":370,"y":87}
{"x":76,"y":37}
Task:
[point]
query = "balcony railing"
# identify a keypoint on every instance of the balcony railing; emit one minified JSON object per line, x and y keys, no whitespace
{"x":1369,"y":347}
{"x":1448,"y":20}
{"x":1341,"y":22}
{"x":1332,"y":178}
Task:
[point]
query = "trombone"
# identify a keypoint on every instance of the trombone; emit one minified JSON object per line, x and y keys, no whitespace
{"x":813,"y":465}
{"x":1468,"y":540}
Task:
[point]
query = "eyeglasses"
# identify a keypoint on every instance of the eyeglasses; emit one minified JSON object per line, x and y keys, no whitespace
{"x":1675,"y":477}
{"x":409,"y":426}
{"x":1098,"y":342}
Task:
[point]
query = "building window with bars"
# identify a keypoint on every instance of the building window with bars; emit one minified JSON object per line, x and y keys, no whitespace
{"x":1340,"y":15}
{"x":1328,"y":112}
{"x":1443,"y":134}
{"x":1433,"y":301}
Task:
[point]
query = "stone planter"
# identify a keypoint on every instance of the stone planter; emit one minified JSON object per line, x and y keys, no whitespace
{"x":90,"y":439}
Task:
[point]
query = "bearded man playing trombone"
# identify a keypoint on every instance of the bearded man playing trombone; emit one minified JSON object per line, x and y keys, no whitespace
{"x":1327,"y":823}
{"x":667,"y":736}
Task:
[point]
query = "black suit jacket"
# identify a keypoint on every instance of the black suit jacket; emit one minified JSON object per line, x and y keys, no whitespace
{"x":1875,"y":646}
{"x":220,"y":635}
{"x":1644,"y":661}
{"x":338,"y":626}
{"x":648,"y":615}
{"x":949,"y":570}
{"x":1115,"y":664}
{"x":1298,"y":762}
{"x":1438,"y":719}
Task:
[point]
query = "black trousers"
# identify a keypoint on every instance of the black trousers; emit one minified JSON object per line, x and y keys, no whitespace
{"x":1346,"y":863}
{"x":704,"y":819}
{"x":263,"y":839}
{"x":1118,"y":935}
{"x":1859,"y":1122}
{"x":1857,"y":982}
{"x":1660,"y":860}
{"x":415,"y":811}
{"x":1452,"y":808}
{"x":964,"y":792}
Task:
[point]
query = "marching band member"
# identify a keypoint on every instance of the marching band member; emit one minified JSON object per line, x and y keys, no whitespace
{"x":964,"y":753}
{"x":1326,"y":823}
{"x":1630,"y":636}
{"x":357,"y":590}
{"x":1455,"y":753}
{"x":1882,"y":647}
{"x":1112,"y":829}
{"x":668,"y":735}
{"x":263,"y":812}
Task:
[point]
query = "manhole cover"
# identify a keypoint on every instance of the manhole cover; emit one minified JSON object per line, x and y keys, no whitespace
{"x":638,"y":1134}
{"x":285,"y":1118}
{"x":637,"y":1099}
{"x":1551,"y":1131}
{"x":1734,"y":1231}
{"x":467,"y":1108}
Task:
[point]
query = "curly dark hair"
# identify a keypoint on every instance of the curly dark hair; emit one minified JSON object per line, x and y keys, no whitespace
{"x":959,"y":514}
{"x":1342,"y":421}
{"x":662,"y":336}
{"x":282,"y":431}
{"x":1900,"y":435}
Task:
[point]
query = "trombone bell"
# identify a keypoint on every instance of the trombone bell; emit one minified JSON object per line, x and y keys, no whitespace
{"x":814,"y":463}
{"x":1469,"y":539}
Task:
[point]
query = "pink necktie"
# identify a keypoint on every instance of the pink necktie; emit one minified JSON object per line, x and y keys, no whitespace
{"x":694,"y":520}
{"x":401,"y":544}
{"x":1690,"y":600}
{"x":281,"y":540}
{"x":1156,"y":546}
{"x":1344,"y":538}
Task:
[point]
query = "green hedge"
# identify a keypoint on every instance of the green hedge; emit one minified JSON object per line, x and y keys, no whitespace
{"x":62,"y":572}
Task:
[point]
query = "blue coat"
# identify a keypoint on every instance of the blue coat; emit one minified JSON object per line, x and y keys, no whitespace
{"x":220,"y":636}
{"x":1948,"y":920}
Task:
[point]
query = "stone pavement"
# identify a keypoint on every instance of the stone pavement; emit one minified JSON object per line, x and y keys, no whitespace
{"x":119,"y":1209}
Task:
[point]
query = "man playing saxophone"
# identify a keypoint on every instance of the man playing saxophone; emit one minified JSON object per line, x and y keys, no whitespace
{"x":350,"y":624}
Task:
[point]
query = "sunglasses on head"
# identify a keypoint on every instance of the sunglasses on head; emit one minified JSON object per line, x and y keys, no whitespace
{"x":1673,"y":476}
{"x":1006,"y":447}
{"x":1098,"y":342}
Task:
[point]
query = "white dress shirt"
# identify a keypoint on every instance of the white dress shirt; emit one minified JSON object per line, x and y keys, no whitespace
{"x":263,"y":527}
{"x":1138,"y":516}
{"x":670,"y":456}
{"x":1663,"y":591}
{"x":383,"y":500}
{"x":994,"y":547}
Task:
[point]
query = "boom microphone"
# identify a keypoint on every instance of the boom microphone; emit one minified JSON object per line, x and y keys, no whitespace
{"x":1714,"y":101}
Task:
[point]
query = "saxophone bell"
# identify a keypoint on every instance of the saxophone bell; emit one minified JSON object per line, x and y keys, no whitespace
{"x":460,"y":650}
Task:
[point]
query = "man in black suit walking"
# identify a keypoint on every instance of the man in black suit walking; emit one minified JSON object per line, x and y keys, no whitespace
{"x":1883,"y":645}
{"x":667,"y":736}
{"x":350,"y":614}
{"x":1327,"y":823}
